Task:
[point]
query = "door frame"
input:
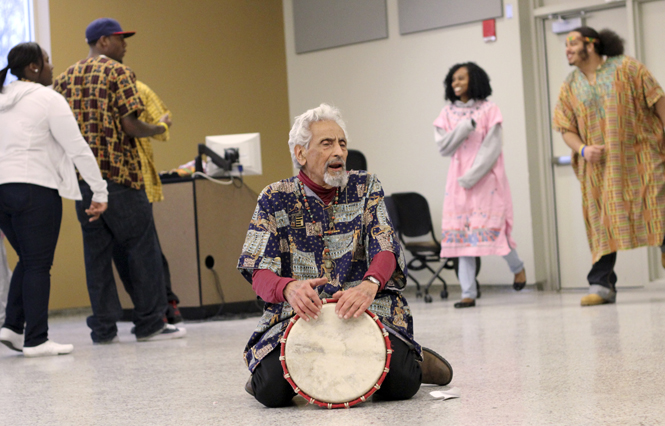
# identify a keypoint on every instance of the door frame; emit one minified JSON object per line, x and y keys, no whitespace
{"x":545,"y":157}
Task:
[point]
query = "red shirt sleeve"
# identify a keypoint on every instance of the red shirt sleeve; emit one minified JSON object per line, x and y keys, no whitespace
{"x":269,"y":286}
{"x":382,"y":267}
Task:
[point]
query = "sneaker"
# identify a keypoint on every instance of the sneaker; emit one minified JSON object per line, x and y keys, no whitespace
{"x":168,"y":332}
{"x":12,"y":340}
{"x":115,"y":339}
{"x":48,"y":348}
{"x":133,"y":330}
{"x":173,"y":315}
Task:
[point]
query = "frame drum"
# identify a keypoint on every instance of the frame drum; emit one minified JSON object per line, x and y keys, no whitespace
{"x":333,"y":362}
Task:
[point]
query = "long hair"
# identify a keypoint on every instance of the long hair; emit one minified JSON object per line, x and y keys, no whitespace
{"x":22,"y":55}
{"x":608,"y":42}
{"x":479,"y":82}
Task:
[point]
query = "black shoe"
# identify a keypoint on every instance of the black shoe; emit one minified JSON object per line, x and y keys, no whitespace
{"x":466,"y":303}
{"x":521,"y":276}
{"x":173,"y":315}
{"x":167,"y":333}
{"x":112,"y":340}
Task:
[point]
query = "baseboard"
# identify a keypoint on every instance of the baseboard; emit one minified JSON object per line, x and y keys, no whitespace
{"x":210,"y":311}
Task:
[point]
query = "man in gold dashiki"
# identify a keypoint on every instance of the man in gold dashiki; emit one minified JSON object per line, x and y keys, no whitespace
{"x":324,"y":234}
{"x":610,"y":112}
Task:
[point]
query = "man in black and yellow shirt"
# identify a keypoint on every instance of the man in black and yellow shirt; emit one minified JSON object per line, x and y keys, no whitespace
{"x":102,"y":93}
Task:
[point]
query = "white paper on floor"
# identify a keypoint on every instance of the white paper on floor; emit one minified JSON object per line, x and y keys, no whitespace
{"x":447,"y":394}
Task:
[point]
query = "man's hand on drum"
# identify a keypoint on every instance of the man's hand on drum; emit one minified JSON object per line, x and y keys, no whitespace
{"x":356,"y":300}
{"x":303,"y":298}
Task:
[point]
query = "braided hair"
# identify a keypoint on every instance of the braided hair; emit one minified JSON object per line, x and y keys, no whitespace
{"x":19,"y":57}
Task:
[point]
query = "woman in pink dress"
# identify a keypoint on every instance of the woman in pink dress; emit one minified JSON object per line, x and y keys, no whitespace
{"x":477,"y":208}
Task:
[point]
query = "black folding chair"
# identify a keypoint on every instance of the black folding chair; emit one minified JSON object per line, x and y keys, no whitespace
{"x":355,"y":160}
{"x":413,"y":216}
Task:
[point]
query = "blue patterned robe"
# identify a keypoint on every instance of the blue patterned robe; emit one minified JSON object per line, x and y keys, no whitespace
{"x":363,"y":230}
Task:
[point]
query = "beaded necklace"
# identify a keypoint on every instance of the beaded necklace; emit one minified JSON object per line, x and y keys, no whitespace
{"x":327,"y":258}
{"x":331,"y":222}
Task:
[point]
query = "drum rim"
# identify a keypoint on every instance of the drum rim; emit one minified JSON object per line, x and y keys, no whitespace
{"x":324,"y":404}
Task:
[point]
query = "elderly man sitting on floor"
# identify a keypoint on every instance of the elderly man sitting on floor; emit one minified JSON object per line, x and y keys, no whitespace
{"x":324,"y":234}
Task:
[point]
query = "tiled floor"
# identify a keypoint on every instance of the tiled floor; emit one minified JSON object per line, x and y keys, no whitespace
{"x":528,"y":358}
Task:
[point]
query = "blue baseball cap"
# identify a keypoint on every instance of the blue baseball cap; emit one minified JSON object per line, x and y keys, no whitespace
{"x":104,"y":27}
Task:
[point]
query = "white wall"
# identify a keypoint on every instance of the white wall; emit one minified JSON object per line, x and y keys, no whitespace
{"x":390,"y":91}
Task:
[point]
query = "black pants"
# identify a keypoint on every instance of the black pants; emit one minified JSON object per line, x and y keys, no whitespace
{"x":122,"y":266}
{"x":602,"y":272}
{"x":402,"y":382}
{"x":128,"y":222}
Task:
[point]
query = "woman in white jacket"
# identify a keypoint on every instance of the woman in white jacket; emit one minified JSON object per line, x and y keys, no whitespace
{"x":40,"y":143}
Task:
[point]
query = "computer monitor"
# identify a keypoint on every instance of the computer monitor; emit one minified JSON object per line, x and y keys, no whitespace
{"x":249,"y":153}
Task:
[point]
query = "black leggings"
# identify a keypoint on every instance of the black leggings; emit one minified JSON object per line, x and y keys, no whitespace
{"x":402,"y":382}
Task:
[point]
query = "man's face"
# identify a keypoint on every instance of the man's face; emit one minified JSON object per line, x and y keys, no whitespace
{"x":576,"y":49}
{"x":325,"y":159}
{"x":114,"y":46}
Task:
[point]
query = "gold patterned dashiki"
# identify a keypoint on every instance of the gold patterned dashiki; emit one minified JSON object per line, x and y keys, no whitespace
{"x":283,"y":239}
{"x":154,"y":110}
{"x":624,"y":194}
{"x":100,"y":91}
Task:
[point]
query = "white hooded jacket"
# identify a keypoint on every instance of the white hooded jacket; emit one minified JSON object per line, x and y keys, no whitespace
{"x":40,"y":142}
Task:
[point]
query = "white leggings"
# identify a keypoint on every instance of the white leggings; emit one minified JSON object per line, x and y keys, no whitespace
{"x":466,"y":272}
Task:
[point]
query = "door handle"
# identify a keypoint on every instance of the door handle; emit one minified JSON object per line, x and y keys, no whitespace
{"x":563,"y":160}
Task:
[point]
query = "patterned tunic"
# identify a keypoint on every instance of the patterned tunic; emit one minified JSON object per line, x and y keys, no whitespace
{"x":154,"y":110}
{"x":624,"y":194}
{"x":477,"y":221}
{"x":282,"y":238}
{"x":100,"y":91}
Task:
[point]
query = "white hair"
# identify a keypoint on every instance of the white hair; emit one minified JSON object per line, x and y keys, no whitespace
{"x":300,"y":133}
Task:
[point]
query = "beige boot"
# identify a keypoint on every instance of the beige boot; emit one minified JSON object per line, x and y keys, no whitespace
{"x":593,"y":300}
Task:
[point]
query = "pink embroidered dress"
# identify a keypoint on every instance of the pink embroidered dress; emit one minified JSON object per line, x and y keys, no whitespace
{"x":476,"y":221}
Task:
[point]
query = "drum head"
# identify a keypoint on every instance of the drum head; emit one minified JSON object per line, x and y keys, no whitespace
{"x":334,"y":360}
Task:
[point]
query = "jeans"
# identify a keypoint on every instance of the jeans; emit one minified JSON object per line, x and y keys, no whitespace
{"x":30,"y":217}
{"x":128,"y":223}
{"x":402,"y":382}
{"x":602,"y":272}
{"x":467,"y":272}
{"x":122,"y":266}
